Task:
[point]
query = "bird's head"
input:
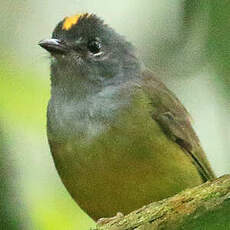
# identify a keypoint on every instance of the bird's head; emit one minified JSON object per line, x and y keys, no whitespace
{"x":83,"y":47}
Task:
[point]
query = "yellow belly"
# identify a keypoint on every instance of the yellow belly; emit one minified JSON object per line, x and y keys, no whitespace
{"x":129,"y":165}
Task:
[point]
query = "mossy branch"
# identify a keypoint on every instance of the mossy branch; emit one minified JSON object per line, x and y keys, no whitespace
{"x":204,"y":207}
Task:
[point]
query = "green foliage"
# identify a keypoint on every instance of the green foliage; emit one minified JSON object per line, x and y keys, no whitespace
{"x":23,"y":94}
{"x":218,"y":40}
{"x":213,"y":16}
{"x":9,"y":214}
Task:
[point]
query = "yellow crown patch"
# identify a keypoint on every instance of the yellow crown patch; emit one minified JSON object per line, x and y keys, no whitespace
{"x":72,"y":20}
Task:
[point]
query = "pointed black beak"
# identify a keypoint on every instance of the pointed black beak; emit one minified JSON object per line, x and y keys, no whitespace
{"x":54,"y":46}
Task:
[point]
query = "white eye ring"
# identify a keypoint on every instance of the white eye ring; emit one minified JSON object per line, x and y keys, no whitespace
{"x":98,"y":54}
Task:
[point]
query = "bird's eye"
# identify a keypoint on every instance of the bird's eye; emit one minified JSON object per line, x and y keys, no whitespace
{"x":94,"y":46}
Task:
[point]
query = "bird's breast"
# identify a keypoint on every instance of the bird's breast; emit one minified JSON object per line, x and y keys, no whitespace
{"x":84,"y":119}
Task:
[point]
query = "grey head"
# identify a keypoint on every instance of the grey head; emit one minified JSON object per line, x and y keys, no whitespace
{"x":88,"y":54}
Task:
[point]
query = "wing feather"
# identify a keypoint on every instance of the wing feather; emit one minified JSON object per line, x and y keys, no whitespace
{"x":175,"y":122}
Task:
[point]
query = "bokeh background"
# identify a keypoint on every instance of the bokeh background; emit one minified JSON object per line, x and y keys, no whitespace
{"x":186,"y":43}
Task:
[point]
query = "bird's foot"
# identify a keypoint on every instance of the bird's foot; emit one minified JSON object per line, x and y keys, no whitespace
{"x":103,"y":221}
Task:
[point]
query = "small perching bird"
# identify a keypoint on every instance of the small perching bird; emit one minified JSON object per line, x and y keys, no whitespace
{"x":119,"y":138}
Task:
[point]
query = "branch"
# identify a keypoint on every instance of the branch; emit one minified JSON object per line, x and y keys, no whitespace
{"x":206,"y":206}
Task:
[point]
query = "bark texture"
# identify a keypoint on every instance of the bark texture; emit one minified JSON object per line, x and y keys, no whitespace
{"x":205,"y":207}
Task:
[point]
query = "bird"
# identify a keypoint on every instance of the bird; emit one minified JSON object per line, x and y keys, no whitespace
{"x":120,"y":139}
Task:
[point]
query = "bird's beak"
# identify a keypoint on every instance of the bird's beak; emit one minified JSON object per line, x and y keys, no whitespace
{"x":54,"y":46}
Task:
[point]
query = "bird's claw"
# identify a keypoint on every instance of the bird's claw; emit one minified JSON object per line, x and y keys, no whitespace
{"x":103,"y":221}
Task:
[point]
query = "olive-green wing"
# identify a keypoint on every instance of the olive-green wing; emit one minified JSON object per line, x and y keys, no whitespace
{"x":175,"y":122}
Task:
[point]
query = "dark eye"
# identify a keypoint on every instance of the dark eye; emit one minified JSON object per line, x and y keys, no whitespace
{"x":94,"y":46}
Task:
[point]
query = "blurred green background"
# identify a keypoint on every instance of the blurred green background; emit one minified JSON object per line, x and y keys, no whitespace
{"x":186,"y":43}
